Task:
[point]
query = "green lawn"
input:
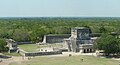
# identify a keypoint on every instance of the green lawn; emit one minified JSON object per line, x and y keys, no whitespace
{"x":12,"y":54}
{"x":29,"y":47}
{"x":73,"y":60}
{"x":35,"y":47}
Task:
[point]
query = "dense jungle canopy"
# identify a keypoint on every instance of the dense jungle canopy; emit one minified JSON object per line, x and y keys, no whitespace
{"x":34,"y":28}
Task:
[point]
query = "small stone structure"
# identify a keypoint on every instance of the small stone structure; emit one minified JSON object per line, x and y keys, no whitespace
{"x":80,"y":40}
{"x":86,"y":48}
{"x":12,"y":45}
{"x":47,"y":49}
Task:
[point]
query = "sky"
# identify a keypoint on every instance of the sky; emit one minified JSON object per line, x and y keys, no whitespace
{"x":59,"y":8}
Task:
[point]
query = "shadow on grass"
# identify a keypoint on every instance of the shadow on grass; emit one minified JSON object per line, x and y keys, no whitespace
{"x":109,"y":56}
{"x":4,"y":56}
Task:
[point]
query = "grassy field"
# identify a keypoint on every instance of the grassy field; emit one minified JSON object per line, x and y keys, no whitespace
{"x":29,"y":47}
{"x":35,"y":47}
{"x":12,"y":54}
{"x":73,"y":60}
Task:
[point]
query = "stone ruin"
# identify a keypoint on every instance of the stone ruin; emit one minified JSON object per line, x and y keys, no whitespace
{"x":12,"y":45}
{"x":80,"y":40}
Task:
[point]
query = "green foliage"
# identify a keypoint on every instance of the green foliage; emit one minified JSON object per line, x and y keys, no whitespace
{"x":33,"y":29}
{"x":102,"y":29}
{"x":108,"y":43}
{"x":20,"y":35}
{"x":3,"y":45}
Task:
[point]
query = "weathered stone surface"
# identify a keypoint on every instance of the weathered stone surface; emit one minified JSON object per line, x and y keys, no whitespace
{"x":79,"y":40}
{"x":55,"y":38}
{"x":43,"y":53}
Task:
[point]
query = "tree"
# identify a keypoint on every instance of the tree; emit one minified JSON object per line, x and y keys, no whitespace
{"x":102,"y":29}
{"x":108,"y":43}
{"x":21,"y":35}
{"x":3,"y":45}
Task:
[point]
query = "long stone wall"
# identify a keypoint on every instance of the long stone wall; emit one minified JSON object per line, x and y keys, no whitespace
{"x":24,"y":53}
{"x":43,"y":53}
{"x":55,"y":38}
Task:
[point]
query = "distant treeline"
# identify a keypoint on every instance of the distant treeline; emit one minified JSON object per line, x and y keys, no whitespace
{"x":34,"y":28}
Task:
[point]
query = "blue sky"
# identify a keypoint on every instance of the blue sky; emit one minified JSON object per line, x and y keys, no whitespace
{"x":60,"y":8}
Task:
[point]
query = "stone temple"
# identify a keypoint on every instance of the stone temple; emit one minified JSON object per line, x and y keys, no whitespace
{"x":80,"y":40}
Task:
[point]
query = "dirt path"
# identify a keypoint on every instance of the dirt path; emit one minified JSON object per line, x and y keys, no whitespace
{"x":13,"y":59}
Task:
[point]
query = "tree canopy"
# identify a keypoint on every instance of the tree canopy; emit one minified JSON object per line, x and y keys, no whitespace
{"x":109,"y":44}
{"x":3,"y":46}
{"x":33,"y":29}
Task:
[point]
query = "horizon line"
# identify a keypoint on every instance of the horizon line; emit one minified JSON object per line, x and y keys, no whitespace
{"x":55,"y":16}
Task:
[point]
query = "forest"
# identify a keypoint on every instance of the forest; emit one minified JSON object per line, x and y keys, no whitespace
{"x":34,"y":28}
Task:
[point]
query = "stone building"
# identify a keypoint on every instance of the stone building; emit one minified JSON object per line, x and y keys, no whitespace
{"x":80,"y":40}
